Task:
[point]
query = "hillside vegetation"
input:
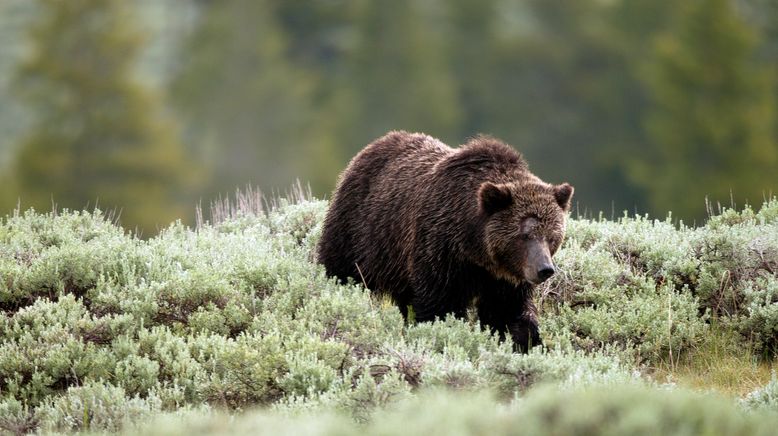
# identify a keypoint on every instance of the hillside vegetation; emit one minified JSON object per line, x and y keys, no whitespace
{"x":104,"y":331}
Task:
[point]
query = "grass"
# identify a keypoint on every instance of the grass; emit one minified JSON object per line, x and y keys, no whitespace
{"x":723,"y":362}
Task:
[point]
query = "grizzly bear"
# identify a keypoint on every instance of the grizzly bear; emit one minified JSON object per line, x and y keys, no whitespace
{"x":440,"y":229}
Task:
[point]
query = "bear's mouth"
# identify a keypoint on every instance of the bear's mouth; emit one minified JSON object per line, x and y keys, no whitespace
{"x":531,"y":277}
{"x":512,"y":277}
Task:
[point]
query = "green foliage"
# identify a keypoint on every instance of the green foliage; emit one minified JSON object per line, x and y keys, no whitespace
{"x":712,"y":114}
{"x":615,"y":91}
{"x":99,"y":136}
{"x":603,"y":94}
{"x":625,"y":283}
{"x":45,"y":255}
{"x":409,"y":86}
{"x":759,"y":319}
{"x":739,"y":254}
{"x":94,"y":406}
{"x":100,"y":330}
{"x":631,"y":410}
{"x":250,"y":119}
{"x":650,"y":286}
{"x":604,"y":410}
{"x":722,"y":361}
{"x":15,"y":417}
{"x":764,"y":398}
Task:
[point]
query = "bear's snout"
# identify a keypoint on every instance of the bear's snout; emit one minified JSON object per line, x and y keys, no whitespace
{"x":538,"y":267}
{"x":545,"y":272}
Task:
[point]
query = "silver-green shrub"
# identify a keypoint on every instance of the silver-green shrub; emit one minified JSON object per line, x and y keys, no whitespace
{"x":758,"y":318}
{"x":764,"y":398}
{"x":94,"y":406}
{"x":623,"y":283}
{"x":100,"y":329}
{"x":595,"y":410}
{"x":651,"y":286}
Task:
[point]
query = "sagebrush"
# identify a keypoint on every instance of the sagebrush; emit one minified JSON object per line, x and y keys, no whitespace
{"x":102,"y":330}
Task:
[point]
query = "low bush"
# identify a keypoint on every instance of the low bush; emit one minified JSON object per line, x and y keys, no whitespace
{"x":595,"y":410}
{"x":764,"y":398}
{"x":652,"y":286}
{"x":624,"y":284}
{"x":100,"y":329}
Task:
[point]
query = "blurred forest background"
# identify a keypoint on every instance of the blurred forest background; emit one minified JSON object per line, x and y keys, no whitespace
{"x":149,"y":106}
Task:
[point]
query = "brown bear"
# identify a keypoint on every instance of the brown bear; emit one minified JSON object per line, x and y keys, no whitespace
{"x":440,"y":229}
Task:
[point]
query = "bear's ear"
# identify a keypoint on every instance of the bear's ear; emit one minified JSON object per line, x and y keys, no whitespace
{"x":494,"y":198}
{"x":563,"y":194}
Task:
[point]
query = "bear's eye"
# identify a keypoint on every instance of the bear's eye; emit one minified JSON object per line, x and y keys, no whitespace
{"x":525,"y":236}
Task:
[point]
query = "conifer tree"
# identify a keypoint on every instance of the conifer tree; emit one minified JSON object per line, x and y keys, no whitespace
{"x":99,"y":135}
{"x":566,"y":98}
{"x":472,"y":53}
{"x":397,"y":76}
{"x":246,"y":108}
{"x":710,"y":123}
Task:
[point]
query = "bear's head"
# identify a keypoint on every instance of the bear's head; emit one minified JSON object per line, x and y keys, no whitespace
{"x":524,"y":224}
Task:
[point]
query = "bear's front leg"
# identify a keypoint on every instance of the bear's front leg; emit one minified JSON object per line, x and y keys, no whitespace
{"x":510,"y":311}
{"x":525,"y":334}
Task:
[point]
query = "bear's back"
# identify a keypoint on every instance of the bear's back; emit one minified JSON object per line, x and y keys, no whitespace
{"x":367,"y":227}
{"x":385,"y":234}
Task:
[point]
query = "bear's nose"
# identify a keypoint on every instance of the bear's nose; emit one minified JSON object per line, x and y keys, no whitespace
{"x":545,"y":272}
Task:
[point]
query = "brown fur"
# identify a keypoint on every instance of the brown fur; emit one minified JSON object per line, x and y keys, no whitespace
{"x":438,"y":228}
